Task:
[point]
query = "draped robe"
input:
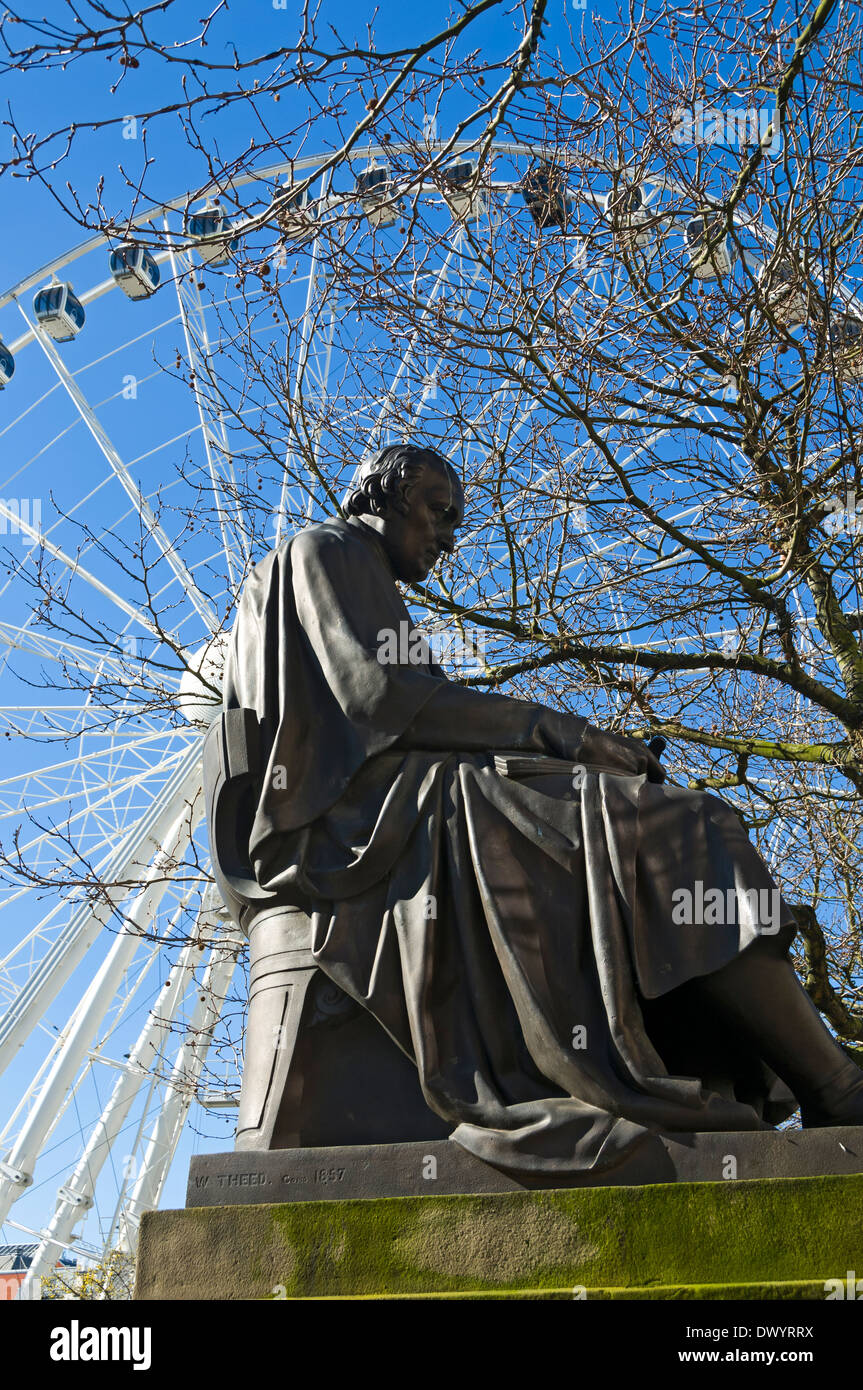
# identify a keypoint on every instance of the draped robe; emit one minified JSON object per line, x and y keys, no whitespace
{"x":508,"y":923}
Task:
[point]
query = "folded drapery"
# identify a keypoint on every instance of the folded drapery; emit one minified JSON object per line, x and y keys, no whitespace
{"x":506,"y":934}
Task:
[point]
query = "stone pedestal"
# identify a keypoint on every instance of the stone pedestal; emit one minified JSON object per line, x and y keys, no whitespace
{"x":439,"y":1166}
{"x":765,"y":1237}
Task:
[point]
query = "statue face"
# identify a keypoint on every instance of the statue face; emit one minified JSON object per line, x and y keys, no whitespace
{"x":415,"y":540}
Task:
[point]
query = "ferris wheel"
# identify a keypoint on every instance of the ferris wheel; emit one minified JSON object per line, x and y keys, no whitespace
{"x":120,"y":1009}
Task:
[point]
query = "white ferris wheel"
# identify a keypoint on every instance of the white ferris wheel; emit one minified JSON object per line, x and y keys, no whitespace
{"x":119,"y":1010}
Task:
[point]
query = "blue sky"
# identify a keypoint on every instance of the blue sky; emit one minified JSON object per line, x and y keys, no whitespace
{"x":49,"y":453}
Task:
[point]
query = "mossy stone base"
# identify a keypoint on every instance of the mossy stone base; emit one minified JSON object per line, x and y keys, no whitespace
{"x":765,"y":1238}
{"x":786,"y":1289}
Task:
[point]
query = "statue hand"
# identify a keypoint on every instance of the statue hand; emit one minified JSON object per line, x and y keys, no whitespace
{"x":615,"y":751}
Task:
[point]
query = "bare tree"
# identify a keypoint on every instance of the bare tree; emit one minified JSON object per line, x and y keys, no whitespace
{"x":632,"y":320}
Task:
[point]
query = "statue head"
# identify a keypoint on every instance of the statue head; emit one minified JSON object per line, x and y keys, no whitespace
{"x":412,"y":497}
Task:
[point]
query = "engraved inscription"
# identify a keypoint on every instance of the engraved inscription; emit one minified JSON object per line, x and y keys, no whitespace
{"x":329,"y":1174}
{"x":316,"y":1175}
{"x":241,"y":1179}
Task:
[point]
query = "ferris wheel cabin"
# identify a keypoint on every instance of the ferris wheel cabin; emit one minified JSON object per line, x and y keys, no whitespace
{"x":846,"y":341}
{"x":375,"y":190}
{"x":134,"y":270}
{"x":210,"y":230}
{"x":460,"y":189}
{"x":59,"y":312}
{"x":784,"y":293}
{"x":544,"y":190}
{"x":294,"y":216}
{"x":7,"y":365}
{"x":709,"y":262}
{"x":627,"y":210}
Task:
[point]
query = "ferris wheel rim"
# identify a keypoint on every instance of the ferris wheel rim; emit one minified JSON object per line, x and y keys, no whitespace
{"x":533,"y":150}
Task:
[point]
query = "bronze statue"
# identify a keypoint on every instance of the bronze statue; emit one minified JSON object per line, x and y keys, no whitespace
{"x":504,"y":890}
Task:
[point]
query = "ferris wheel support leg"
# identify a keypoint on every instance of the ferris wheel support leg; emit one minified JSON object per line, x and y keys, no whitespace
{"x":66,"y":953}
{"x":17,"y":1172}
{"x":75,"y":1197}
{"x":123,"y":1000}
{"x":182,"y":1085}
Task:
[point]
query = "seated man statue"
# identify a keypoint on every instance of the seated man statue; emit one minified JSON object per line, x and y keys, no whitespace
{"x":499,"y":883}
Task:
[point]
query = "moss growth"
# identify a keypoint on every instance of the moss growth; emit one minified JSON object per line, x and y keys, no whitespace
{"x":790,"y":1289}
{"x":613,"y":1240}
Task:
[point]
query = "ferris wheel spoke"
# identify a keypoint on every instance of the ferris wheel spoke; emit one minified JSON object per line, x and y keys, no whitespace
{"x":441,"y":280}
{"x":577,"y":455}
{"x":100,"y":837}
{"x":116,"y":1008}
{"x":85,"y":502}
{"x":125,"y":479}
{"x":10,"y":715}
{"x":44,"y":534}
{"x":315,"y":363}
{"x":211,"y":420}
{"x":70,"y":1200}
{"x":75,"y":568}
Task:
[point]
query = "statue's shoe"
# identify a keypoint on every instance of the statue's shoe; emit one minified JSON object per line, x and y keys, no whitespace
{"x":838,"y":1101}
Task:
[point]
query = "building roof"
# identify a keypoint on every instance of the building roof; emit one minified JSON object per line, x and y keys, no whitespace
{"x":15,"y":1258}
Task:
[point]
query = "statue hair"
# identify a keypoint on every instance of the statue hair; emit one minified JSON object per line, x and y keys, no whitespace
{"x":388,"y":481}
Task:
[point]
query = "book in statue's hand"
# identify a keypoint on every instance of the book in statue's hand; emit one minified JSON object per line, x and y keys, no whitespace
{"x":532,"y":765}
